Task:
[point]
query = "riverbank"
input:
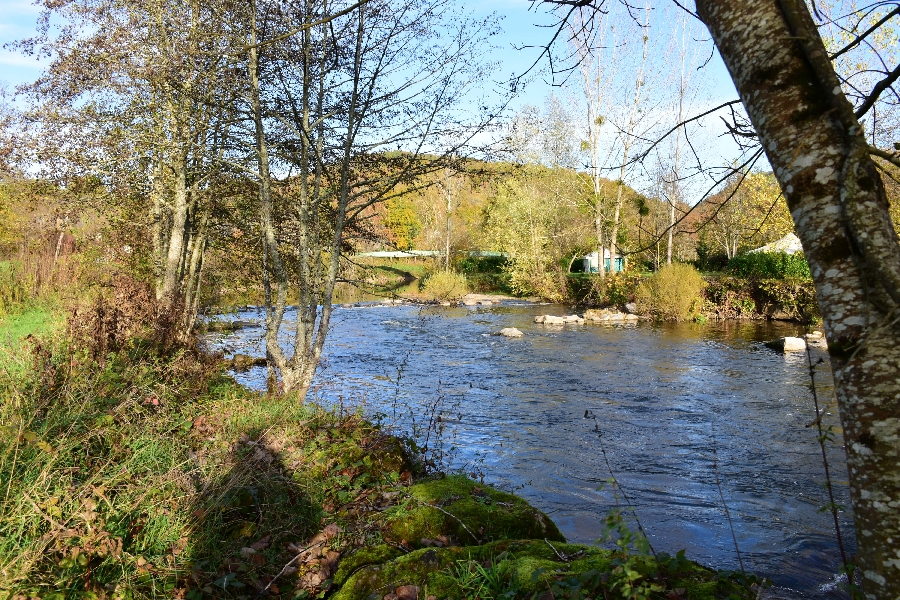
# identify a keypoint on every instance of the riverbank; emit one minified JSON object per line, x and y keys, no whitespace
{"x":152,"y":474}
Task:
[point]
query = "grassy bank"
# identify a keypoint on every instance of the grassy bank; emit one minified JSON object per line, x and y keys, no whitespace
{"x":151,"y":474}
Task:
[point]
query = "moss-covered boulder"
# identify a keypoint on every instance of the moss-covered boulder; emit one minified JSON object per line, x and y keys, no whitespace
{"x":457,"y":510}
{"x":522,"y":568}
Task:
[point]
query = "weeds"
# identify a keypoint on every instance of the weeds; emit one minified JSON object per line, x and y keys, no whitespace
{"x":491,"y":579}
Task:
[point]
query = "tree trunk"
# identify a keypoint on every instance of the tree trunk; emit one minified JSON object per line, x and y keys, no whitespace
{"x":815,"y":145}
{"x":174,"y":255}
{"x":271,"y":254}
{"x":449,"y":213}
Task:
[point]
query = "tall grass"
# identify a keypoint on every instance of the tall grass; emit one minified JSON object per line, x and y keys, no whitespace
{"x":149,"y":474}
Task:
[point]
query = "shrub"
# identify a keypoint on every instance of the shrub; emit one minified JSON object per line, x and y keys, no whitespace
{"x":769,"y":265}
{"x":673,"y":293}
{"x":445,"y":286}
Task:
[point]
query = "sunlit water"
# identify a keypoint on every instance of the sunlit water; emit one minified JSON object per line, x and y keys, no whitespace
{"x":667,"y":403}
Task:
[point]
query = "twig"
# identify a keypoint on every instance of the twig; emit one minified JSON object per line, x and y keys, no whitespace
{"x":722,"y":496}
{"x":832,"y":505}
{"x":285,"y":568}
{"x":561,"y":556}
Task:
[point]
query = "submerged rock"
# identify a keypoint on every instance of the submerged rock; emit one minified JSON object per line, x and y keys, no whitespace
{"x":243,"y":362}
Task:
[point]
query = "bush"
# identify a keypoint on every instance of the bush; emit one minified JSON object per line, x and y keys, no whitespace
{"x":445,"y":286}
{"x":615,"y":289}
{"x":769,"y":265}
{"x":672,"y":294}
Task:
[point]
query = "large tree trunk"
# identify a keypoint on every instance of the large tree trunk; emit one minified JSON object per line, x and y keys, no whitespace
{"x":816,"y":148}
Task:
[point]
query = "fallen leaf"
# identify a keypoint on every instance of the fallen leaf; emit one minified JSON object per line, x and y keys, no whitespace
{"x":331,"y":530}
{"x":262,"y":543}
{"x":407,"y":592}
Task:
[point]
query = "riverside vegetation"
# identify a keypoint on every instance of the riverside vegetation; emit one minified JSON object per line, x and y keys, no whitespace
{"x":133,"y":467}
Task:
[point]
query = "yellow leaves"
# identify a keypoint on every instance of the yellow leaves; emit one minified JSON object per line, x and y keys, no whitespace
{"x":30,"y":438}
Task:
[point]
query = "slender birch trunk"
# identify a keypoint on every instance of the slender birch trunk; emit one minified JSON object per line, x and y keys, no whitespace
{"x":272,"y":263}
{"x":628,"y":140}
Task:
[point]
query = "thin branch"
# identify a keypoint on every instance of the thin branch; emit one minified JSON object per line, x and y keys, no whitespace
{"x":866,"y":33}
{"x":876,"y":92}
{"x":891,"y":157}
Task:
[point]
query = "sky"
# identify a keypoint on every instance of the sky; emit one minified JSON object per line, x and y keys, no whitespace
{"x":17,"y":20}
{"x":523,"y":24}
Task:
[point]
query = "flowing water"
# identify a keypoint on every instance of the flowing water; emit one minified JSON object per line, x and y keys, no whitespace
{"x":665,"y":409}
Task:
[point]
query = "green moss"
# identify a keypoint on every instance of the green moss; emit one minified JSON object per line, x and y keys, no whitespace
{"x":519,"y":569}
{"x":365,"y":556}
{"x":461,"y":509}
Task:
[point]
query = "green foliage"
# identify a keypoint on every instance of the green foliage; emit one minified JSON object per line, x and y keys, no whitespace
{"x":730,"y":298}
{"x":793,"y":298}
{"x":769,"y":265}
{"x":672,"y":294}
{"x":740,"y":298}
{"x":445,"y":286}
{"x":495,"y":580}
{"x":401,"y":222}
{"x":615,"y":289}
{"x":473,"y":265}
{"x":15,"y":290}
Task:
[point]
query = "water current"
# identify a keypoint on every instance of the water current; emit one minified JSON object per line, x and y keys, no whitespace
{"x":665,"y":409}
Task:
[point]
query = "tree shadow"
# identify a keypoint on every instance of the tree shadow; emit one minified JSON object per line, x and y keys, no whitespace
{"x":250,"y":520}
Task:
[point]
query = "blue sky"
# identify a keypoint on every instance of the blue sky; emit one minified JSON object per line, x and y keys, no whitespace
{"x":521,"y":22}
{"x":17,"y":20}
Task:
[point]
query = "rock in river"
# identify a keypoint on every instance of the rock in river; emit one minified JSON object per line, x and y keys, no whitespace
{"x":606,"y":315}
{"x":787,"y":344}
{"x":553,"y":320}
{"x":511,"y":332}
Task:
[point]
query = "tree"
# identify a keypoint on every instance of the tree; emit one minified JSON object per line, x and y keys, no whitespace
{"x":133,"y":109}
{"x":355,"y":107}
{"x":749,"y":211}
{"x":812,"y":137}
{"x":534,"y":219}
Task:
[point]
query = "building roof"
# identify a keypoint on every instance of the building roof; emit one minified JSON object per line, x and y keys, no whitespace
{"x":789,"y":244}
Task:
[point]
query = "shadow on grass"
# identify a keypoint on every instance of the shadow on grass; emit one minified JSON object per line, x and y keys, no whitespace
{"x":246,"y":520}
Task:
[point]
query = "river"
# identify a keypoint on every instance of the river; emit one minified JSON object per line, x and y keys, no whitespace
{"x":671,"y":407}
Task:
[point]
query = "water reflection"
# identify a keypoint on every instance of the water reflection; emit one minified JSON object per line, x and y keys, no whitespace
{"x":661,"y":396}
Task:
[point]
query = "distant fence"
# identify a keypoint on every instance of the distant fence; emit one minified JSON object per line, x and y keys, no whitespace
{"x":426,"y":253}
